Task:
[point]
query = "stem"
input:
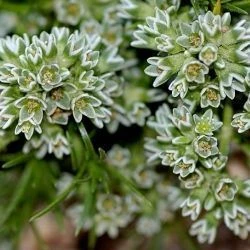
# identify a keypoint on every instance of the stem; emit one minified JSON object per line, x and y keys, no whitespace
{"x":41,"y":243}
{"x":91,"y":239}
{"x":227,"y":131}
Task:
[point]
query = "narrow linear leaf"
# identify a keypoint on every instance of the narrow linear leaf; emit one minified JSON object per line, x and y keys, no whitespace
{"x":234,"y":8}
{"x":20,"y":192}
{"x":60,"y":197}
{"x":242,"y":4}
{"x":87,"y":142}
{"x":226,"y":1}
{"x":16,"y":161}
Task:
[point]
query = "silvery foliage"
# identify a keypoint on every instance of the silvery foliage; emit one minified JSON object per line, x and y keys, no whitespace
{"x":49,"y":79}
{"x":190,"y":53}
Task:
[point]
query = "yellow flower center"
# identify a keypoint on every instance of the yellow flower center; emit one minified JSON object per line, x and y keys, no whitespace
{"x":194,"y":69}
{"x":204,"y":126}
{"x":108,"y":204}
{"x":205,"y":146}
{"x":57,"y":94}
{"x":195,"y":40}
{"x":48,"y":76}
{"x":73,"y":9}
{"x":209,"y":54}
{"x":211,"y":95}
{"x":32,"y":106}
{"x":183,"y":165}
{"x":81,"y":103}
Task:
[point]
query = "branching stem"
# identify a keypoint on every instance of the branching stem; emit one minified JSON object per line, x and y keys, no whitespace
{"x":226,"y":132}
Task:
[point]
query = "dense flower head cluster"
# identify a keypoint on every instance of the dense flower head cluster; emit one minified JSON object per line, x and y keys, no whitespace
{"x":185,"y":140}
{"x":188,"y":145}
{"x":51,"y":77}
{"x":208,"y":55}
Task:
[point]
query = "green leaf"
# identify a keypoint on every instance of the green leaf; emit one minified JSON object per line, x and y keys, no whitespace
{"x":87,"y":142}
{"x":245,"y":4}
{"x":181,"y":140}
{"x":16,"y":161}
{"x":235,"y":9}
{"x":20,"y":192}
{"x":226,"y":1}
{"x":61,"y":197}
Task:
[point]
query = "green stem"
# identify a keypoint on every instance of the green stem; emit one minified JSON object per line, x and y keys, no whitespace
{"x":227,"y":131}
{"x":41,"y":243}
{"x":92,"y":239}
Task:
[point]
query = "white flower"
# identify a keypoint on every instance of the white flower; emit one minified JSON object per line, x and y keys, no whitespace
{"x":148,"y":226}
{"x":191,"y":207}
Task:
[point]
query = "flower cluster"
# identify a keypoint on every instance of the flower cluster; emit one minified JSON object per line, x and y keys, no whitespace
{"x":188,"y":144}
{"x":208,"y":56}
{"x":49,"y":78}
{"x":185,"y":141}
